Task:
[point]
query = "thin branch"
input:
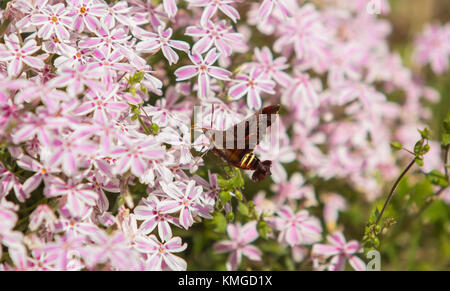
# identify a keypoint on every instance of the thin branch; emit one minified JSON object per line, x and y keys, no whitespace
{"x":394,"y":187}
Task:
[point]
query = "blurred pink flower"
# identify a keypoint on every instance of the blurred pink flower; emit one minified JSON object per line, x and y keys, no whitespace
{"x":297,"y":228}
{"x":239,"y":245}
{"x":433,"y":46}
{"x":267,"y":7}
{"x":211,"y":7}
{"x":219,"y":34}
{"x":339,"y":251}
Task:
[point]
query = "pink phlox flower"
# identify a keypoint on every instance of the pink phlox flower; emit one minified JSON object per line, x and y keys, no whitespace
{"x":180,"y":140}
{"x":295,"y":189}
{"x":433,"y":46}
{"x":160,"y":254}
{"x":77,"y":196}
{"x":297,"y":228}
{"x":135,"y":155}
{"x":153,"y":42}
{"x":339,"y":251}
{"x":301,"y":93}
{"x":251,"y":85}
{"x":203,"y":68}
{"x":42,"y":173}
{"x":115,"y":38}
{"x":276,"y":147}
{"x":240,"y":244}
{"x":346,"y":63}
{"x":150,"y":82}
{"x":117,"y":13}
{"x":334,"y":203}
{"x":212,"y":6}
{"x":53,"y":21}
{"x":54,"y":45}
{"x":147,"y":12}
{"x":109,"y":60}
{"x":369,"y":100}
{"x":86,"y":13}
{"x":102,"y":104}
{"x":15,"y":54}
{"x":8,"y":110}
{"x":40,"y":124}
{"x":28,"y":9}
{"x":72,"y":56}
{"x":40,"y":91}
{"x":42,"y":215}
{"x":267,"y":6}
{"x":113,"y":249}
{"x":150,"y":212}
{"x":168,"y":111}
{"x":67,"y":151}
{"x":9,"y":181}
{"x":210,"y":188}
{"x":219,"y":34}
{"x":170,"y":6}
{"x":81,"y":225}
{"x":306,"y":34}
{"x":75,"y":79}
{"x":102,"y":183}
{"x":272,"y":68}
{"x":64,"y":249}
{"x":187,"y":202}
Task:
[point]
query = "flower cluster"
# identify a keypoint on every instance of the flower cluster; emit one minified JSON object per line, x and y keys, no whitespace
{"x":96,"y":98}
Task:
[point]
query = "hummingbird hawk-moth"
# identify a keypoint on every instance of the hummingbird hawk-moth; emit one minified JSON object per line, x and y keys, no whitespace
{"x":237,"y":143}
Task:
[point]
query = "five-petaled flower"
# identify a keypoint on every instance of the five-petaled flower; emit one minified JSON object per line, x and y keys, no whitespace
{"x":211,"y":7}
{"x":53,"y":21}
{"x":203,"y":68}
{"x":153,"y":42}
{"x":160,"y":254}
{"x":241,"y":238}
{"x":187,"y":202}
{"x":251,"y":85}
{"x":339,"y":250}
{"x":15,"y":55}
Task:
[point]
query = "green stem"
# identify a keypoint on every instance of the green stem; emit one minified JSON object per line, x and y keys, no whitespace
{"x":4,"y":26}
{"x":394,"y":187}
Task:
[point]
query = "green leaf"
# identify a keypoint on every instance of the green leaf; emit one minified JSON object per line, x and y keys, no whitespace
{"x":263,"y":229}
{"x":396,"y":145}
{"x":155,"y":128}
{"x":425,"y":133}
{"x":238,"y":194}
{"x":446,"y":139}
{"x":225,"y":196}
{"x":425,"y":149}
{"x":437,"y":178}
{"x":418,"y":147}
{"x":243,"y":209}
{"x":446,"y":123}
{"x":219,"y":222}
{"x":137,"y":78}
{"x":419,"y":161}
